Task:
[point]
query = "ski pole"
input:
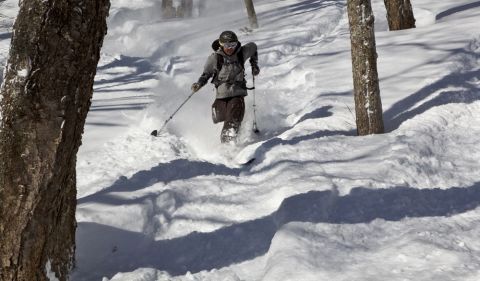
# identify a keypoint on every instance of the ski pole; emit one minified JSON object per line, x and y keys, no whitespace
{"x":255,"y":129}
{"x":155,"y":133}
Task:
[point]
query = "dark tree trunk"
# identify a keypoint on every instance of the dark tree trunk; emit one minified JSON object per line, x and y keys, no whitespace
{"x":187,"y":7}
{"x":168,"y":11}
{"x":399,"y":14}
{"x":45,"y":99}
{"x":180,"y":11}
{"x":252,"y":16}
{"x":166,"y":3}
{"x":368,"y":105}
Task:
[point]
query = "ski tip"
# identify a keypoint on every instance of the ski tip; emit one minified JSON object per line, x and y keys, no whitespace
{"x":154,"y":133}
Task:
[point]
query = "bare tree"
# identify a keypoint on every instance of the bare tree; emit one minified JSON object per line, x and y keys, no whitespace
{"x":201,"y":6}
{"x":168,"y":11}
{"x":252,"y":16}
{"x":45,"y":98}
{"x":187,"y":8}
{"x":368,"y":105}
{"x":399,"y":14}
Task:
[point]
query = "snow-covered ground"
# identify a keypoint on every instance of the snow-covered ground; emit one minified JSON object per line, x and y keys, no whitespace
{"x":318,"y":202}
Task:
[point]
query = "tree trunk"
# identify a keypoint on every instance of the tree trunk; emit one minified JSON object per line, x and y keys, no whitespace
{"x":168,"y":11}
{"x":252,"y":16}
{"x":166,"y":3}
{"x":45,"y":99}
{"x":368,"y":105}
{"x":399,"y":14}
{"x":187,"y":7}
{"x":180,"y":11}
{"x":201,"y":6}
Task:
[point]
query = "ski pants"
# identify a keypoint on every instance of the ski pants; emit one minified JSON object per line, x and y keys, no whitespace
{"x":230,"y":111}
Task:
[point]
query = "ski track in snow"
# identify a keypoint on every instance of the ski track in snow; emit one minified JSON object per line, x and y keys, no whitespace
{"x":316,"y":198}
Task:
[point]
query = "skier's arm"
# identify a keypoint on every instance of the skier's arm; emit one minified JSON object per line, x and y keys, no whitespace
{"x":208,"y":71}
{"x":250,"y":51}
{"x":203,"y":80}
{"x":254,"y":64}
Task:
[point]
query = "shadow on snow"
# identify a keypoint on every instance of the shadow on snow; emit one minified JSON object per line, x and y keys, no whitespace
{"x":6,"y":35}
{"x":180,"y":169}
{"x":458,"y":9}
{"x":184,"y":169}
{"x":297,"y":9}
{"x":460,"y":86}
{"x":405,"y":109}
{"x":126,"y":251}
{"x":143,"y":70}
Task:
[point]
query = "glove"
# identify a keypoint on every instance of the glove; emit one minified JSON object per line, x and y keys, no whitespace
{"x":196,"y":86}
{"x":255,"y":70}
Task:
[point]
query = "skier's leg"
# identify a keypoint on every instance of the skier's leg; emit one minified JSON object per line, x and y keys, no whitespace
{"x":219,"y":110}
{"x":233,"y":119}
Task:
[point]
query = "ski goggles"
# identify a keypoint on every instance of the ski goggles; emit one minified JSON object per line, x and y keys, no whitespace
{"x":229,"y":45}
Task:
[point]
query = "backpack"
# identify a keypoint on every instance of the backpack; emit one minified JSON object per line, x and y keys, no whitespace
{"x":220,"y":63}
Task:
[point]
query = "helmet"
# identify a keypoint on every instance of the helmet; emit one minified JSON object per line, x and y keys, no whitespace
{"x":227,"y":37}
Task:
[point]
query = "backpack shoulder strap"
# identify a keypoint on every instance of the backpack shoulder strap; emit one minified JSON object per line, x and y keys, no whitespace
{"x":218,"y":67}
{"x":220,"y":61}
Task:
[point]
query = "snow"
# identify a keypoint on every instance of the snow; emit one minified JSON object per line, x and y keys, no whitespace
{"x":318,"y":202}
{"x":23,"y":73}
{"x":50,"y":274}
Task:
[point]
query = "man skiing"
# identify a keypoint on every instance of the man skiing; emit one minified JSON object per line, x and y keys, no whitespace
{"x":226,"y":68}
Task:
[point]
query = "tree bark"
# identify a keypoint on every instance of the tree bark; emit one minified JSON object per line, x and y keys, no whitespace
{"x":399,"y":14}
{"x":368,"y":105}
{"x":45,"y":98}
{"x":168,"y":11}
{"x":187,"y":8}
{"x":252,"y":16}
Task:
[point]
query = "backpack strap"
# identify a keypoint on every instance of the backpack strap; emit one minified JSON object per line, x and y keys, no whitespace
{"x":220,"y":63}
{"x":221,"y":60}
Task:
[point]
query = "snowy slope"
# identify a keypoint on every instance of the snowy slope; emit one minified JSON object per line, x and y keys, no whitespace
{"x":318,"y":202}
{"x":8,"y":11}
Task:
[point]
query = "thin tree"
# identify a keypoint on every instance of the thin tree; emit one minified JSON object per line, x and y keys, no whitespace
{"x":45,"y":98}
{"x":368,"y":105}
{"x":399,"y":14}
{"x":252,"y":16}
{"x":201,"y":6}
{"x":187,"y":8}
{"x":168,"y":11}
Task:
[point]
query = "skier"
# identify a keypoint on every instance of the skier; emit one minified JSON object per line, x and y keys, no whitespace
{"x":226,"y":68}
